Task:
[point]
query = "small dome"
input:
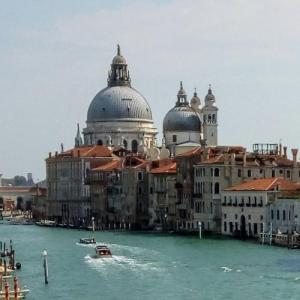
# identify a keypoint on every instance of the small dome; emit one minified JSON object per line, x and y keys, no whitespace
{"x":182,"y":118}
{"x":119,"y":59}
{"x":119,"y":103}
{"x":181,"y":91}
{"x":195,"y":101}
{"x":210,"y":96}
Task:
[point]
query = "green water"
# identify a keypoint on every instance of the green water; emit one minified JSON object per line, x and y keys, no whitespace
{"x":151,"y":266}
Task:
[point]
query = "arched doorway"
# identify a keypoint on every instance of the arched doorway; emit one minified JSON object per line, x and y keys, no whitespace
{"x":100,"y":142}
{"x":125,"y":144}
{"x":243,"y":227}
{"x":134,"y":146}
{"x":20,"y":203}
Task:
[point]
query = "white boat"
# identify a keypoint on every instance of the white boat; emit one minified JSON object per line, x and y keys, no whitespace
{"x":103,"y":251}
{"x":87,"y":241}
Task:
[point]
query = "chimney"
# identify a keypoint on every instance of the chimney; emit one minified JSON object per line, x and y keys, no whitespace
{"x":285,"y":151}
{"x":56,"y":153}
{"x":232,"y":159}
{"x":245,"y":159}
{"x":294,"y":153}
{"x":280,"y":149}
{"x":207,"y":153}
{"x":50,"y":154}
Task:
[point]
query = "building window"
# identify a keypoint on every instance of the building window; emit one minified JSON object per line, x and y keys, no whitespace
{"x":140,"y":176}
{"x":239,"y":173}
{"x":217,"y":188}
{"x":261,"y":218}
{"x":231,"y":227}
{"x":217,"y":172}
{"x":278,"y":216}
{"x":225,"y":226}
{"x":151,"y":190}
{"x":273,"y":173}
{"x":225,"y":216}
{"x":236,"y":216}
{"x":134,"y":146}
{"x":283,"y":215}
{"x":100,"y":142}
{"x":174,"y":138}
{"x":140,"y":190}
{"x":249,"y":173}
{"x":272,"y":214}
{"x":249,"y":217}
{"x":288,"y":174}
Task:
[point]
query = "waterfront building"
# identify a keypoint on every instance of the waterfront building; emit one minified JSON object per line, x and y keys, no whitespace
{"x":68,"y":195}
{"x":246,"y":208}
{"x":224,"y":170}
{"x":119,"y":193}
{"x":119,"y":115}
{"x":284,"y":212}
{"x":16,"y":198}
{"x":162,"y":194}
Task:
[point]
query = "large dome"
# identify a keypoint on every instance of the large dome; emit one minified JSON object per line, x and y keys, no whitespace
{"x":182,"y":118}
{"x":119,"y":103}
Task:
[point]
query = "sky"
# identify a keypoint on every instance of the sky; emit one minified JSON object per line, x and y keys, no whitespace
{"x":55,"y":55}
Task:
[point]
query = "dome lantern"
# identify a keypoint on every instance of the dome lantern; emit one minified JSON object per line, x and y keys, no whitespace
{"x":181,"y":97}
{"x":119,"y":74}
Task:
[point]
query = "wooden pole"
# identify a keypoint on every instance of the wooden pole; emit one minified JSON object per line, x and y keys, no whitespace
{"x":15,"y":288}
{"x":6,"y":286}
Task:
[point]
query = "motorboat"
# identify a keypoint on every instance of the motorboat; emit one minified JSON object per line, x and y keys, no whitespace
{"x":103,"y":251}
{"x":87,"y":241}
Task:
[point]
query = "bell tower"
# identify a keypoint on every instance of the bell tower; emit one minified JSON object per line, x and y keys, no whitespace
{"x":210,"y":119}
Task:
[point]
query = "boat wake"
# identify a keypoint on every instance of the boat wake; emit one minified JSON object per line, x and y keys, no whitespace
{"x":117,"y":262}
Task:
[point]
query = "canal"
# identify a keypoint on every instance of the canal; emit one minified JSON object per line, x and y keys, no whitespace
{"x":151,"y":266}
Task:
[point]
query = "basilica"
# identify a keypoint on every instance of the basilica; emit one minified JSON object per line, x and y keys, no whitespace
{"x":119,"y":115}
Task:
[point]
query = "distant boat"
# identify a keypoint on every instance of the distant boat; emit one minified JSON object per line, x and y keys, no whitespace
{"x":87,"y":241}
{"x":103,"y":251}
{"x":46,"y":223}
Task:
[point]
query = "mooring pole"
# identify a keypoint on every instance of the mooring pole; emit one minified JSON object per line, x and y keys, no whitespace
{"x":15,"y":288}
{"x":263,"y":234}
{"x":45,"y":266}
{"x":271,"y":230}
{"x":93,"y":224}
{"x":200,"y":230}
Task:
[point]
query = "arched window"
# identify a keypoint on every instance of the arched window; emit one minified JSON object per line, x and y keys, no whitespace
{"x":283,"y":215}
{"x":217,"y":172}
{"x":217,"y":188}
{"x":174,"y":138}
{"x":209,"y":118}
{"x":134,"y":146}
{"x":100,"y":142}
{"x":125,"y":144}
{"x":214,"y":120}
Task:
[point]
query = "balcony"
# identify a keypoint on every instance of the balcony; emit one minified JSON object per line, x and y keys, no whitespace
{"x":248,"y":204}
{"x":234,"y":204}
{"x":224,"y":204}
{"x":241,"y":204}
{"x":254,"y":205}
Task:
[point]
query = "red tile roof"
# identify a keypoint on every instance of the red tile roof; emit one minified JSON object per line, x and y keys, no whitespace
{"x":265,"y":184}
{"x":165,"y":169}
{"x":110,"y":166}
{"x":87,"y":151}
